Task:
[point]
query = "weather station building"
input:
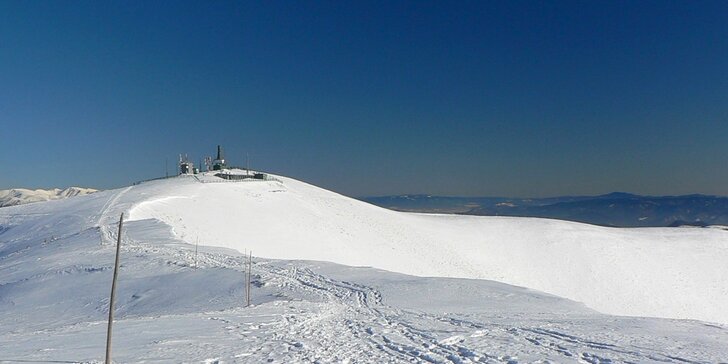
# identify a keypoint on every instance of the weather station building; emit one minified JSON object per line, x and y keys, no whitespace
{"x":185,"y":166}
{"x":218,"y":168}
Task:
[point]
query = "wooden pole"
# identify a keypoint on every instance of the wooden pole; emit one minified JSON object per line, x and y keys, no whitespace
{"x":113,"y":293}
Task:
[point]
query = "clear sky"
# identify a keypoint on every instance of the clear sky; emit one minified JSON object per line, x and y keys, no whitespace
{"x":462,"y":98}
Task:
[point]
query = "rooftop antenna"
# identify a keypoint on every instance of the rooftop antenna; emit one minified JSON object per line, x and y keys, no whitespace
{"x":219,"y":153}
{"x":247,"y":163}
{"x":166,"y":169}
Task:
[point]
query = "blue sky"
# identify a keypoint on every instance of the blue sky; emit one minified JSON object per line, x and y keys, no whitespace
{"x":371,"y":98}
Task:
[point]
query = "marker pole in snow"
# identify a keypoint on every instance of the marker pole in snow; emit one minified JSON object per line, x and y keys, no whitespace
{"x":196,"y":243}
{"x":245,"y":276}
{"x":250,"y":273}
{"x":113,"y":293}
{"x":247,"y":269}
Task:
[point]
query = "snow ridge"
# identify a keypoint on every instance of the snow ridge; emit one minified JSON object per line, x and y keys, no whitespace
{"x":20,"y":196}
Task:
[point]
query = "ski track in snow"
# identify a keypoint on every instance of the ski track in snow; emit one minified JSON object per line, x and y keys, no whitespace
{"x":108,"y":236}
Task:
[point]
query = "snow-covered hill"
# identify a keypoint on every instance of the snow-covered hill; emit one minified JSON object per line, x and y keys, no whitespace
{"x":643,"y":272}
{"x":20,"y":196}
{"x":178,"y":306}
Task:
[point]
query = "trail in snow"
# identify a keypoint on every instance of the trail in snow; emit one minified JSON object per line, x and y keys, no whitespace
{"x":105,"y":219}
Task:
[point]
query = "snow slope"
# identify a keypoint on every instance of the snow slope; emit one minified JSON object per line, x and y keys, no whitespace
{"x":20,"y":196}
{"x":178,"y":306}
{"x":661,"y":272}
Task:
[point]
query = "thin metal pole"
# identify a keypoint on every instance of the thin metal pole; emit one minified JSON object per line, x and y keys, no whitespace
{"x":196,"y":242}
{"x":250,"y":272}
{"x":245,"y":277}
{"x":113,"y":293}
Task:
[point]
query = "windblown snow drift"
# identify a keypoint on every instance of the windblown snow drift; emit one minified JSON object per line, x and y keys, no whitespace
{"x":675,"y":273}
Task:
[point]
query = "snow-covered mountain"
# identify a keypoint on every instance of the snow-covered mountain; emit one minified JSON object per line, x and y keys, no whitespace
{"x":396,"y":287}
{"x":20,"y":196}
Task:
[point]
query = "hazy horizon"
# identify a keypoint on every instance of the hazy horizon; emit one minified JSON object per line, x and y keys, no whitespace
{"x":411,"y":194}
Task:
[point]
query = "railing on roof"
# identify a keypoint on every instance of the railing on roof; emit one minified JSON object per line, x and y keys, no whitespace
{"x":153,"y":179}
{"x":266,"y":177}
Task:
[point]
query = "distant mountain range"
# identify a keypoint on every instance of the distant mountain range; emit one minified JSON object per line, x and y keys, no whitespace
{"x":21,"y":196}
{"x":617,"y":209}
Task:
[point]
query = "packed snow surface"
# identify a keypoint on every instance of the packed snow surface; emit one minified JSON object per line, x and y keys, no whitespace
{"x":20,"y":196}
{"x":404,"y":293}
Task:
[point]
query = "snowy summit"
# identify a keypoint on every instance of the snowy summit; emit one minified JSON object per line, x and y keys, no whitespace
{"x":340,"y":280}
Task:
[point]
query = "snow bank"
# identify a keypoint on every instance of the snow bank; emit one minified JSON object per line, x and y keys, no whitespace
{"x":674,"y":273}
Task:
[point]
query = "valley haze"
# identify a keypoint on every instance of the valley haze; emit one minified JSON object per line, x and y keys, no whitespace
{"x":617,"y":209}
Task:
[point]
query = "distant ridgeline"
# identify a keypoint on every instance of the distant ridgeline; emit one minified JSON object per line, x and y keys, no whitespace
{"x":21,"y":196}
{"x":614,"y":209}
